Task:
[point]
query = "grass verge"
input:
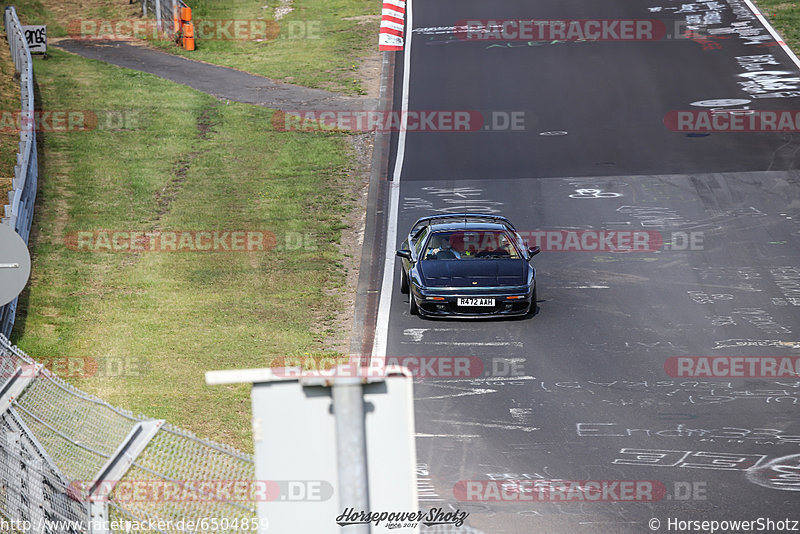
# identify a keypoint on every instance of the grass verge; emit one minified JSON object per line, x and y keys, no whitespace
{"x":10,"y":107}
{"x":316,"y":44}
{"x":170,"y":158}
{"x":785,"y":17}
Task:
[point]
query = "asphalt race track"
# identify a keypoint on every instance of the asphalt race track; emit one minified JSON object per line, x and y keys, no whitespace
{"x":583,"y":391}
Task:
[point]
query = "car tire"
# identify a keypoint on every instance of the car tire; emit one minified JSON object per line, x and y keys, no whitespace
{"x":412,"y":305}
{"x":403,"y":281}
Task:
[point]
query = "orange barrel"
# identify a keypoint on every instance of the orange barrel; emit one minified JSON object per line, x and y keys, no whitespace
{"x":186,"y":14}
{"x":188,"y":36}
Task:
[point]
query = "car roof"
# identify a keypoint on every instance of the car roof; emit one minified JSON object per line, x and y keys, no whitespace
{"x":451,"y":226}
{"x":462,"y":221}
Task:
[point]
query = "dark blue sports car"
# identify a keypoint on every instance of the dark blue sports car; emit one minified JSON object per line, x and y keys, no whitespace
{"x":467,"y":265}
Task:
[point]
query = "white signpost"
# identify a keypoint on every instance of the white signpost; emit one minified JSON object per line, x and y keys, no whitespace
{"x":15,"y":264}
{"x":37,"y":38}
{"x":335,"y":446}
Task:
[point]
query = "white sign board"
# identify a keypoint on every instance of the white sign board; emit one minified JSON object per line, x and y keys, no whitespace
{"x":37,"y":38}
{"x":15,"y":264}
{"x":295,"y":440}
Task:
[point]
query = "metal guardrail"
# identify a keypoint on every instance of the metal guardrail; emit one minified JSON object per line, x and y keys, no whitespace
{"x":59,"y":444}
{"x":18,"y":213}
{"x":69,"y":457}
{"x":164,"y":11}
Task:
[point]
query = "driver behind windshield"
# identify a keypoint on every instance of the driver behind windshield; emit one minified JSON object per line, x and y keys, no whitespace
{"x":446,"y":251}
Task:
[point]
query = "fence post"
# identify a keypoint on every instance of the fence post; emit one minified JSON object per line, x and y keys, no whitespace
{"x":348,"y":411}
{"x":158,"y":16}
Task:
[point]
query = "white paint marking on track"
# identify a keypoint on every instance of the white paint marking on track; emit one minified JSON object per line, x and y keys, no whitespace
{"x":489,"y":425}
{"x":579,"y":287}
{"x":384,"y":304}
{"x":467,"y":393}
{"x":457,"y":436}
{"x":418,"y":333}
{"x":469,"y":343}
{"x":415,"y":333}
{"x":481,"y":380}
{"x":520,"y":414}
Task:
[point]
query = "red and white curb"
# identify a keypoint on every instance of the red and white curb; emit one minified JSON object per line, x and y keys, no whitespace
{"x":393,"y":17}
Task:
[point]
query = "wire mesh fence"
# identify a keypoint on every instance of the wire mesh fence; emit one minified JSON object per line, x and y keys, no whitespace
{"x":56,"y":443}
{"x":164,"y":11}
{"x":18,"y":212}
{"x":69,"y":461}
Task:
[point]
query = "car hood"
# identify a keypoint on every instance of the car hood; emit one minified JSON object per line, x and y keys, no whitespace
{"x":473,"y":273}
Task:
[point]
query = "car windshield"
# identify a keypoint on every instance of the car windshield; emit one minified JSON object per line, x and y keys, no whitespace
{"x":467,"y":245}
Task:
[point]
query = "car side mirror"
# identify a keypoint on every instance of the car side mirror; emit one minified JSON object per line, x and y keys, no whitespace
{"x":533,"y":251}
{"x":404,"y":253}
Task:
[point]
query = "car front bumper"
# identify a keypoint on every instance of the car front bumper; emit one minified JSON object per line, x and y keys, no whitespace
{"x":444,"y":303}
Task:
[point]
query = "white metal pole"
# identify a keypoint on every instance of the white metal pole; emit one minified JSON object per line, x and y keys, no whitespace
{"x":351,"y":448}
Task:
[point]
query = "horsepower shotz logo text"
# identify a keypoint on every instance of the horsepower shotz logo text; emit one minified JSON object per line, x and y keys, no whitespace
{"x":560,"y":30}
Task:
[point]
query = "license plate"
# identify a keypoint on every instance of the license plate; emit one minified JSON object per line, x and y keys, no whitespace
{"x":475,"y":302}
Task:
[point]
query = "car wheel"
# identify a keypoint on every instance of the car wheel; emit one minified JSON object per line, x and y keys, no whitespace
{"x":403,"y":281}
{"x":412,"y":305}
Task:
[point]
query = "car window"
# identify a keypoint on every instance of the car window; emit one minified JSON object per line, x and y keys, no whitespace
{"x":468,"y":245}
{"x":419,"y":239}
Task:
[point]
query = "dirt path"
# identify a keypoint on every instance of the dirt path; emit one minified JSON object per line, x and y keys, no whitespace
{"x":222,"y":82}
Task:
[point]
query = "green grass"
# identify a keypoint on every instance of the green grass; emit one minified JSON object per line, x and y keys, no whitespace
{"x":785,"y":17}
{"x":9,"y":104}
{"x":319,"y":43}
{"x":186,"y":161}
{"x":58,"y":14}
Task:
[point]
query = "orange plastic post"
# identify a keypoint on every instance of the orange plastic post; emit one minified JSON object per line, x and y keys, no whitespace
{"x":188,"y":36}
{"x":186,"y":14}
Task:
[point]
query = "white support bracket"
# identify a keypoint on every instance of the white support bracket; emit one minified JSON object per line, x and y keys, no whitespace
{"x":16,"y":384}
{"x":113,"y":470}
